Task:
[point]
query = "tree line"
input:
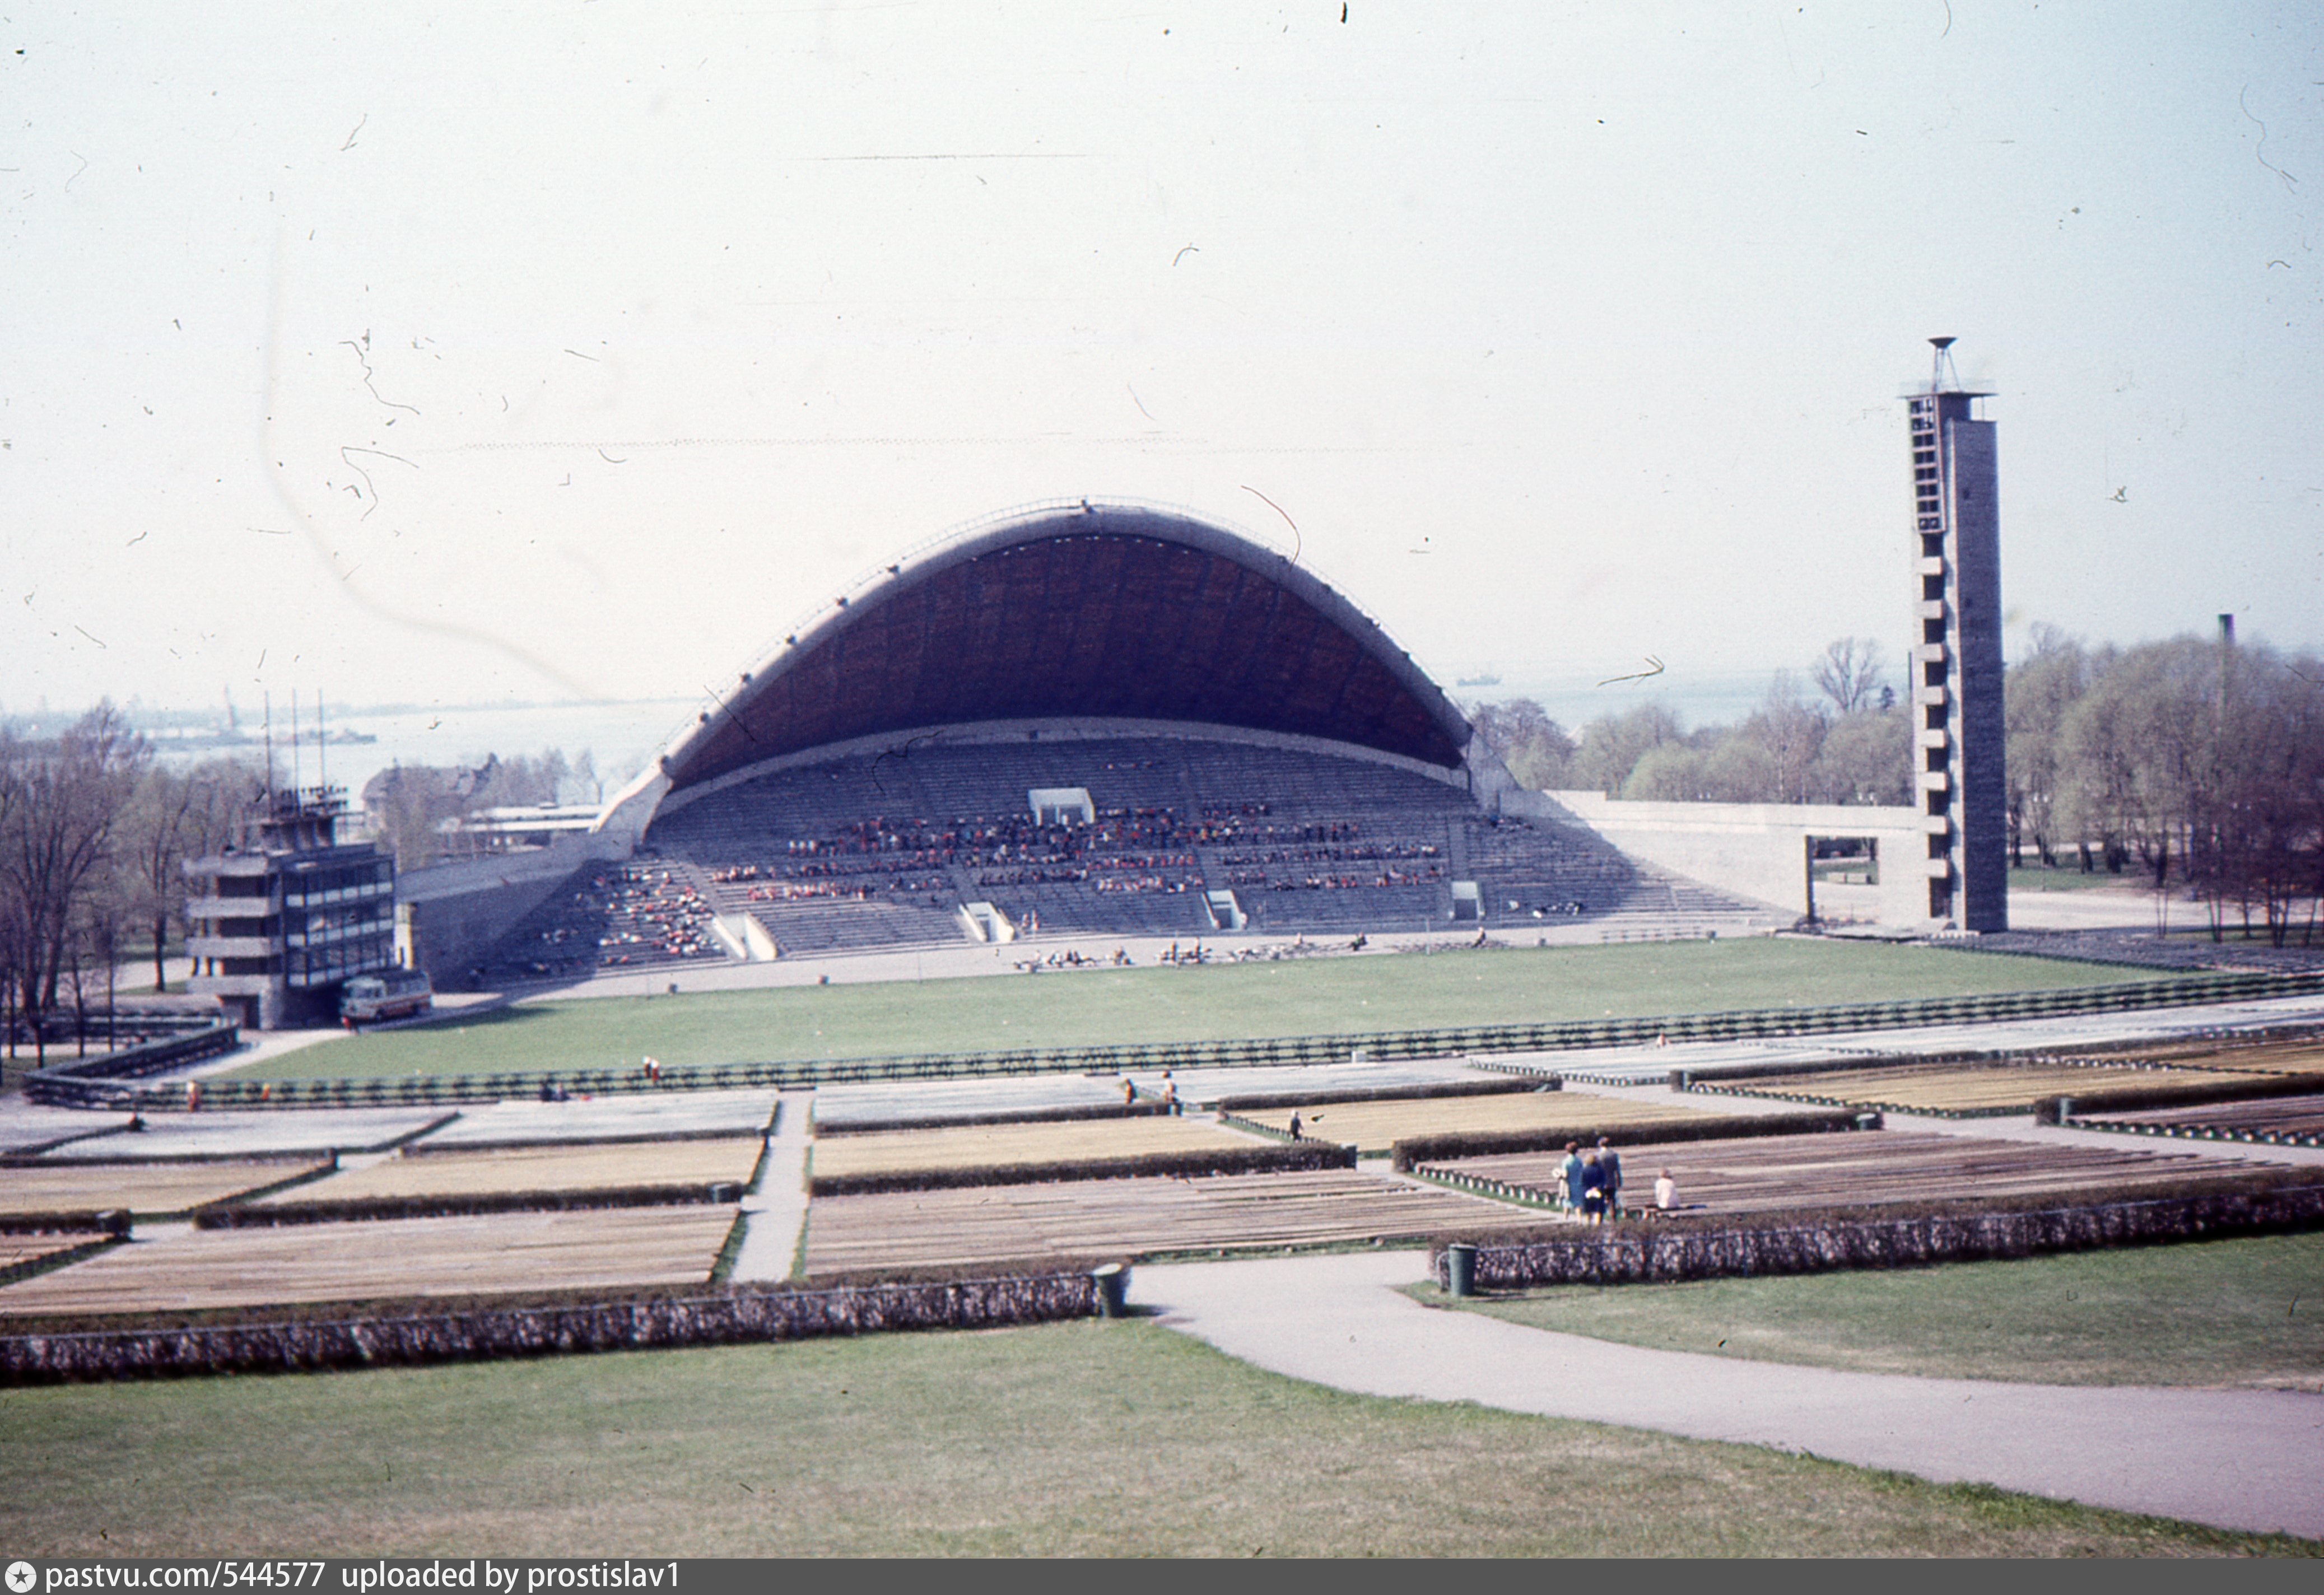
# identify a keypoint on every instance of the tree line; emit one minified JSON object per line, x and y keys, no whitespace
{"x":94,"y":836}
{"x":2200,"y":763}
{"x":2195,"y":765}
{"x":95,"y":833}
{"x":419,"y":811}
{"x":1848,"y":742}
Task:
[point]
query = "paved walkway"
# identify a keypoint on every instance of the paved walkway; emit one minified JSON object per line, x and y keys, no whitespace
{"x":774,"y":1210}
{"x":2235,"y":1459}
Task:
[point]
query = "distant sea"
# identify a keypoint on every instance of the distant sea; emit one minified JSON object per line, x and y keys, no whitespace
{"x":1699,"y":698}
{"x":620,"y":738}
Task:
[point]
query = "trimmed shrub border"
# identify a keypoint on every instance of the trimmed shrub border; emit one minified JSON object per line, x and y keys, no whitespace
{"x":1825,"y":1101}
{"x":2046,"y":1111}
{"x":246,"y":1215}
{"x":487,"y":1333}
{"x":1145,"y":1108}
{"x":111,"y":1220}
{"x":1303,"y":1155}
{"x":552,"y":1143}
{"x":1268,"y":1131}
{"x":68,"y":1254}
{"x":1458,"y":1041}
{"x":2204,"y":1133}
{"x":1510,"y":1087}
{"x":1433,"y":1149}
{"x":1654,"y":1254}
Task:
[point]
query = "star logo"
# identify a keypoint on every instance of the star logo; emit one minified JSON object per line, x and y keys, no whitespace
{"x":21,"y":1577}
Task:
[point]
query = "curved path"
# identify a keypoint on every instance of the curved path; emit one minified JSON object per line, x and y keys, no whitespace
{"x":2234,"y":1459}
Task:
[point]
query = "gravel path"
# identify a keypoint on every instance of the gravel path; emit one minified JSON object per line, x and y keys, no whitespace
{"x":2234,"y":1458}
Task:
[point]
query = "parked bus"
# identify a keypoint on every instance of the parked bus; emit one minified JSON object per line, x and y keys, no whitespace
{"x":391,"y":994}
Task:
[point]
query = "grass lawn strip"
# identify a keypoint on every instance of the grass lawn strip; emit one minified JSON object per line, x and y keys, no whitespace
{"x":147,"y":1190}
{"x":1372,"y":1127}
{"x":537,"y":1168}
{"x":1092,"y":1439}
{"x":2248,"y":1311}
{"x":1774,"y":1174}
{"x":1997,"y":1088}
{"x":1106,"y":1219}
{"x":392,"y":1258}
{"x":1004,"y":1145}
{"x":1339,"y":996}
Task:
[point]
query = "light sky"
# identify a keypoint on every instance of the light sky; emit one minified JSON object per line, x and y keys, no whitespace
{"x":581,"y":349}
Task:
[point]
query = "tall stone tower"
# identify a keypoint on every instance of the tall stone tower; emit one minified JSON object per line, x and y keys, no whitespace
{"x":1959,"y":733}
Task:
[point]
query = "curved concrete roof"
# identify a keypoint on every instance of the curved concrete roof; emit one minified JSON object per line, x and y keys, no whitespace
{"x":1093,"y":609}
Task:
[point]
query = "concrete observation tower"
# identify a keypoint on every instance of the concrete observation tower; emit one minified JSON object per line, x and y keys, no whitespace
{"x":1960,"y":734}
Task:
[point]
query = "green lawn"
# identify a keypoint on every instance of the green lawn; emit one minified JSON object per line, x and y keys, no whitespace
{"x":2242,"y":1312}
{"x":2036,"y":877}
{"x":1324,"y":996}
{"x":1086,"y":1438}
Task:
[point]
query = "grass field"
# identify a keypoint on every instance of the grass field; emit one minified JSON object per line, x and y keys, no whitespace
{"x":1372,"y":1127}
{"x":1322,"y":996}
{"x":984,"y":1145}
{"x":1086,"y":1438}
{"x":2241,"y":1312}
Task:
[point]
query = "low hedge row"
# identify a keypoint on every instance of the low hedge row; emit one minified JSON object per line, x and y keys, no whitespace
{"x":494,"y":1333}
{"x":1138,"y":1110}
{"x":2189,"y":1095}
{"x":241,"y":1216}
{"x":1384,"y":1094}
{"x":1280,"y":1159}
{"x":431,"y":1148}
{"x":24,"y":1268}
{"x":111,"y":1220}
{"x":1484,"y":1143}
{"x":1653,"y":1253}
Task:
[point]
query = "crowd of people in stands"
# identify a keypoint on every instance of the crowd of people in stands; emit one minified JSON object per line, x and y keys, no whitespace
{"x":1122,"y":849}
{"x":623,"y":915}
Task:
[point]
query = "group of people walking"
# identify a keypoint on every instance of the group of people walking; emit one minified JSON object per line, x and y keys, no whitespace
{"x":1589,"y":1183}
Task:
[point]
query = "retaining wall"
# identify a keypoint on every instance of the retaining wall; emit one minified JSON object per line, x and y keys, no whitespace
{"x":1644,"y":1255}
{"x":489,"y":1333}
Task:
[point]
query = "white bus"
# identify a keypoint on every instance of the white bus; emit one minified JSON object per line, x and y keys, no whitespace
{"x":391,"y":994}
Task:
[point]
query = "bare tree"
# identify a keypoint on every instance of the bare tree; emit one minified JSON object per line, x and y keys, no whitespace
{"x":1849,"y":673}
{"x":176,"y":816}
{"x":69,"y":796}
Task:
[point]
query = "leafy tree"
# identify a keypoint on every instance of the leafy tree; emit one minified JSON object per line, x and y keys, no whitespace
{"x":1533,"y":746}
{"x":1611,"y":746}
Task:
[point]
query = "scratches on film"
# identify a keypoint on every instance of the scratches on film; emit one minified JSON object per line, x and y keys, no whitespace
{"x":1637,"y":674}
{"x":1297,"y":543}
{"x":347,"y":448}
{"x":277,"y":476}
{"x":362,"y":357}
{"x":2259,"y":150}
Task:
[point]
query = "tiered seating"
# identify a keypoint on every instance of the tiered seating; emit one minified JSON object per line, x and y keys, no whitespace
{"x":882,"y":850}
{"x":1527,"y":871}
{"x":642,"y":915}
